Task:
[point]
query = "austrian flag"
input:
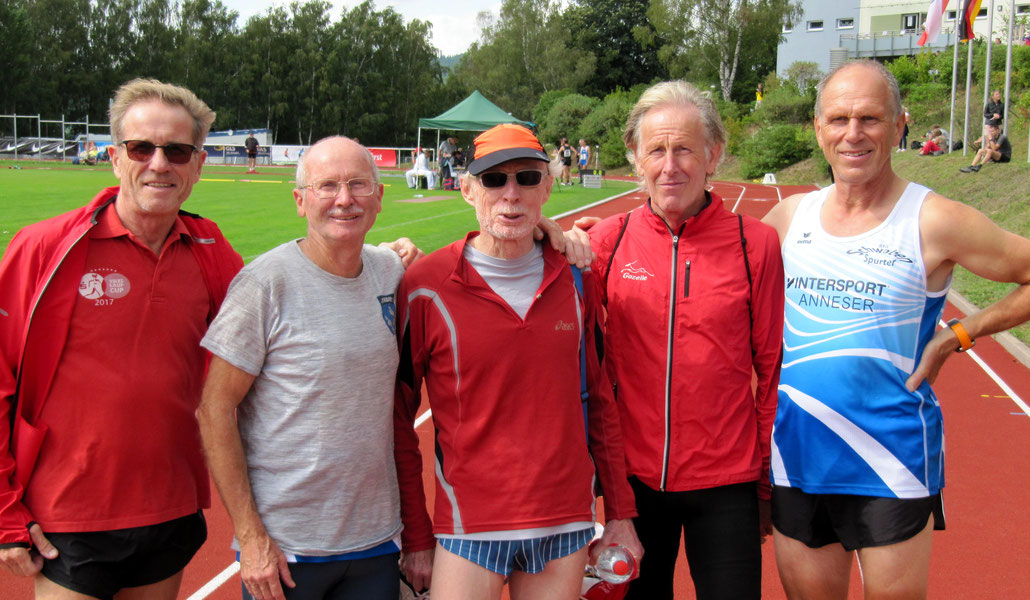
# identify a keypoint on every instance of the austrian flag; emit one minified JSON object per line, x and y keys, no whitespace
{"x":934,"y":16}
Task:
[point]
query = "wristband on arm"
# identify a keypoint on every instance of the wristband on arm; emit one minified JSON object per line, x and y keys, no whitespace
{"x":965,"y":342}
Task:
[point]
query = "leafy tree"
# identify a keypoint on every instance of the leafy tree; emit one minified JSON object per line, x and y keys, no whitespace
{"x":774,"y":147}
{"x":604,"y":125}
{"x":564,"y":118}
{"x":16,"y":34}
{"x":522,"y":54}
{"x":207,"y":40}
{"x":546,"y":101}
{"x":707,"y":36}
{"x":605,"y":29}
{"x":804,"y":75}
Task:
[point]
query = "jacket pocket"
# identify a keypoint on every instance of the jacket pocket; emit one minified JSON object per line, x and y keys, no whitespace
{"x":28,"y":439}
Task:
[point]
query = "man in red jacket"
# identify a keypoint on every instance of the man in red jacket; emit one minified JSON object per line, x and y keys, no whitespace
{"x":494,"y":324}
{"x":694,"y":297}
{"x":102,"y":310}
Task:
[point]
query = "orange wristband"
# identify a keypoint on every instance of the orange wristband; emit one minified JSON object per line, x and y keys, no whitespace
{"x":965,"y":342}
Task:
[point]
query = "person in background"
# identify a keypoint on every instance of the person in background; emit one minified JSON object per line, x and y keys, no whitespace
{"x":584,"y":158}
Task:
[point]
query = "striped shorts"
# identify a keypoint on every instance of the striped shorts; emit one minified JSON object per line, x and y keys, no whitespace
{"x":529,"y":556}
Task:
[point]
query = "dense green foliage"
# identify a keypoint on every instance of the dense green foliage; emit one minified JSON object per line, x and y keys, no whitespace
{"x":729,"y":43}
{"x":563,"y":119}
{"x":774,"y":147}
{"x":293,"y":70}
{"x":603,"y":126}
{"x":304,"y":70}
{"x":608,"y":29}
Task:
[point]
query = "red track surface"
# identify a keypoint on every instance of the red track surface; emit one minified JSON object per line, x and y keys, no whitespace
{"x":984,"y":552}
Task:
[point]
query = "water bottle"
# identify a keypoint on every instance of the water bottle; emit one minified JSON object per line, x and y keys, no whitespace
{"x":615,"y":564}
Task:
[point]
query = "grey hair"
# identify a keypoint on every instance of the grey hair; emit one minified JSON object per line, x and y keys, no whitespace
{"x":675,"y":93}
{"x":142,"y":90}
{"x":302,"y":175}
{"x":888,"y":78}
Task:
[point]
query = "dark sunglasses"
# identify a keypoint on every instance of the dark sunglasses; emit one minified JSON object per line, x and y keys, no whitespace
{"x":141,"y":151}
{"x":496,"y":179}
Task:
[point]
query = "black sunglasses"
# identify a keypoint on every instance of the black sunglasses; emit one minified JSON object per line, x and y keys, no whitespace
{"x":141,"y":151}
{"x":496,"y":179}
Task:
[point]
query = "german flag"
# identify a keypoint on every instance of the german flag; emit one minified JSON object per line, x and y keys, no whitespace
{"x":970,"y":9}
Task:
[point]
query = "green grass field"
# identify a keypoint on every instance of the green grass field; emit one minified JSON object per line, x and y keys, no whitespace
{"x":257,"y":212}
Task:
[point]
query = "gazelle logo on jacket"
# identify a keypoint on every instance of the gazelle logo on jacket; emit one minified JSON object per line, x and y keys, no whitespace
{"x":635,"y":273}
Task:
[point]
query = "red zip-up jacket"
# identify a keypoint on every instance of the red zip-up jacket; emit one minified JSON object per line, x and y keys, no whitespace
{"x":37,"y":296}
{"x":511,"y":447}
{"x":680,"y":346}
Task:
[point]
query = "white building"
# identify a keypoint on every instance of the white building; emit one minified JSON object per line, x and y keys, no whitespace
{"x":833,"y":31}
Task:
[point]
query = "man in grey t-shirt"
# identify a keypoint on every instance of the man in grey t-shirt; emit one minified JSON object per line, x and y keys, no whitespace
{"x":296,"y":414}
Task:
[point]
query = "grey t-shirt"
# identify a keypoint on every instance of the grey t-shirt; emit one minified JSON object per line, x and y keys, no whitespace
{"x":317,"y":424}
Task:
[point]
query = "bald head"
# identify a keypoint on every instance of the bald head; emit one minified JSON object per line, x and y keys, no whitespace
{"x":341,"y":146}
{"x":865,"y":72}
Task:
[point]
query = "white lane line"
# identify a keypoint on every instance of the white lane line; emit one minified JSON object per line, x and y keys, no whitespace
{"x":1004,"y":386}
{"x":740,"y":196}
{"x":593,"y":204}
{"x":215,"y":583}
{"x":997,"y":379}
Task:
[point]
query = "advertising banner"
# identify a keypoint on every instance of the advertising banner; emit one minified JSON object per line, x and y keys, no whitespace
{"x":287,"y":154}
{"x":385,"y":157}
{"x":238,"y":152}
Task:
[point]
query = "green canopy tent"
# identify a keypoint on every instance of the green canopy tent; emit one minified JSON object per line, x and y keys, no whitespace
{"x":474,"y":113}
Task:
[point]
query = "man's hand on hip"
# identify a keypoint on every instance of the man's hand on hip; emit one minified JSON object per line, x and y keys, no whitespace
{"x":23,"y":562}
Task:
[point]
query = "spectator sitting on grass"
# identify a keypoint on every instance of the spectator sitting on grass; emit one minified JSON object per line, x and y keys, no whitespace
{"x":936,"y":143}
{"x":996,"y":149}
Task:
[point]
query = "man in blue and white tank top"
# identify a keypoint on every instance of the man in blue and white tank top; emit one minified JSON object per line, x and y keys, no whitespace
{"x":858,"y":442}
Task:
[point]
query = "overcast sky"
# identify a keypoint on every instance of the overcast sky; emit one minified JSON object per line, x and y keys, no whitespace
{"x":454,"y":21}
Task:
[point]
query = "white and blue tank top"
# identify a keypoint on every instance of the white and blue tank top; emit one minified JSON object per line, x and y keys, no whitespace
{"x":858,"y":316}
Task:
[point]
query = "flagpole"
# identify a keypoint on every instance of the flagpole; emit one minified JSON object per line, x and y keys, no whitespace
{"x":969,"y":83}
{"x":1008,"y":63}
{"x":987,"y":66}
{"x":954,"y":88}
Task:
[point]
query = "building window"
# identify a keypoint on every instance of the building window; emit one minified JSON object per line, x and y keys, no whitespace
{"x":950,"y":15}
{"x":787,"y":28}
{"x":845,"y":23}
{"x":982,"y":14}
{"x":815,"y":25}
{"x":910,"y":22}
{"x":1023,"y":9}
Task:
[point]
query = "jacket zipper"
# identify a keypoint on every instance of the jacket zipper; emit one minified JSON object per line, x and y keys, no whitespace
{"x":686,"y":279}
{"x":668,"y":361}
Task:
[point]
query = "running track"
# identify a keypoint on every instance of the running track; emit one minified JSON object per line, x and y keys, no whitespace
{"x":985,"y":552}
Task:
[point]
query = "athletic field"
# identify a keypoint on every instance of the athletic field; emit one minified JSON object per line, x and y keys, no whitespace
{"x":983,"y":553}
{"x":257,"y":212}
